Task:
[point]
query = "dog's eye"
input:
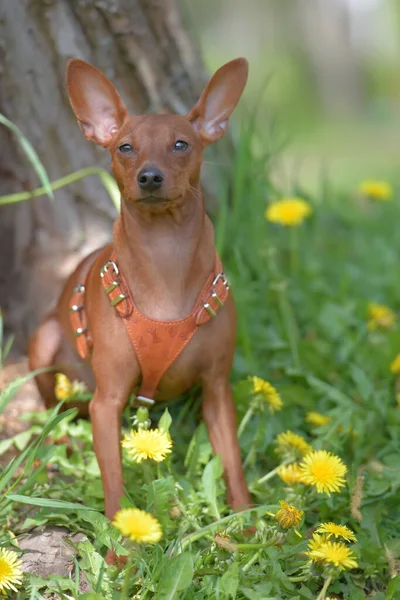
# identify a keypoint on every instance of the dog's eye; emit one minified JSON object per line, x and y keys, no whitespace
{"x":181,"y":146}
{"x":125,"y":148}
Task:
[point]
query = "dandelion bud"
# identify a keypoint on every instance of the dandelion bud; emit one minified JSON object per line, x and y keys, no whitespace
{"x":288,"y":516}
{"x":141,"y":419}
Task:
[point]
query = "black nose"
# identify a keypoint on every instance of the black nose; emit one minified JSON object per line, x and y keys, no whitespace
{"x":150,"y":179}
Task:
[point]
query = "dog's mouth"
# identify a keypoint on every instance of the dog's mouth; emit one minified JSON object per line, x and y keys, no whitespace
{"x":157,"y":200}
{"x":152,"y":200}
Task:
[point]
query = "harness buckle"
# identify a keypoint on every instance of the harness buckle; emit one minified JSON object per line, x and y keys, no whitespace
{"x":145,"y":401}
{"x":80,"y":331}
{"x":75,"y":308}
{"x":224,"y":279}
{"x":105,"y":267}
{"x":217,"y":299}
{"x":209,"y":309}
{"x":206,"y":305}
{"x":79,"y":289}
{"x":118,"y":299}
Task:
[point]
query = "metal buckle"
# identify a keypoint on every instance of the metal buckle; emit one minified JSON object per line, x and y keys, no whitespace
{"x":104,"y":268}
{"x":216,"y":298}
{"x":210,"y":310}
{"x":118,"y":299}
{"x":111,"y":287}
{"x":145,"y":401}
{"x":80,"y":331}
{"x":75,"y":308}
{"x":79,"y":289}
{"x":225,"y":280}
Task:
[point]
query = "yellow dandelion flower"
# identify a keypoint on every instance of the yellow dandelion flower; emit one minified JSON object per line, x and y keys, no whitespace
{"x":288,"y":211}
{"x":63,"y":388}
{"x":380,"y":316}
{"x":334,"y":554}
{"x":138,"y":525}
{"x":316,"y":419}
{"x":291,"y":445}
{"x":314,"y":544}
{"x":153,"y":443}
{"x":375,"y":189}
{"x":267,"y":392}
{"x":288,"y":516}
{"x":290,"y":474}
{"x":342,"y":531}
{"x":323,"y":470}
{"x":10,"y":570}
{"x":395,"y":365}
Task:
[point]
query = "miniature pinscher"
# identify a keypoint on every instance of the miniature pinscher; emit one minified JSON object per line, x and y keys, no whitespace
{"x":151,"y":313}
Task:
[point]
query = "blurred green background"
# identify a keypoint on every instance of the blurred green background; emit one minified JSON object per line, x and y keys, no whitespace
{"x":332,"y":69}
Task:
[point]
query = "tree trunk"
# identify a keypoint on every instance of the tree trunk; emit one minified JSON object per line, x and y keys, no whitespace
{"x":325,"y":35}
{"x":144,"y":49}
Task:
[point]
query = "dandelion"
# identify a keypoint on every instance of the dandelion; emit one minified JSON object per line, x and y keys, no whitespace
{"x":380,"y":316}
{"x":154,"y":444}
{"x":375,"y":189}
{"x":315,"y":543}
{"x":290,"y":474}
{"x":292,"y":446}
{"x":138,"y":525}
{"x":395,"y":365}
{"x":267,"y":392}
{"x":334,"y":554}
{"x":63,"y":387}
{"x":342,"y":531}
{"x":10,"y":570}
{"x":316,"y":419}
{"x":66,"y":390}
{"x":288,"y":516}
{"x":289,"y":212}
{"x":323,"y":470}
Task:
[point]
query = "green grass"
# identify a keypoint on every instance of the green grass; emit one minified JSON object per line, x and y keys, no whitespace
{"x":302,"y":296}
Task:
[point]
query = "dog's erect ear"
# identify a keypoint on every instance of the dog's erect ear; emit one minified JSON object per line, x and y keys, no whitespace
{"x":95,"y":101}
{"x":211,"y":113}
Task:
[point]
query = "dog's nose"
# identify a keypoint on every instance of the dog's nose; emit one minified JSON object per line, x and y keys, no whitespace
{"x":150,"y":179}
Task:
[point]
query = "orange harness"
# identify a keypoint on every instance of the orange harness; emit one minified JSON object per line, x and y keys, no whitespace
{"x":157,"y":344}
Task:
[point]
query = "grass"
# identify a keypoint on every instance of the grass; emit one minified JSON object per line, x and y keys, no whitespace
{"x":302,"y":298}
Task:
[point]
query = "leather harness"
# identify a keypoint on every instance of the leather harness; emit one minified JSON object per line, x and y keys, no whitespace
{"x":157,"y":344}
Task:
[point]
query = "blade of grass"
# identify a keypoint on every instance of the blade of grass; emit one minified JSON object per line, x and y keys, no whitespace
{"x":48,"y":502}
{"x":107,"y":180}
{"x":9,"y":392}
{"x":31,"y":155}
{"x":31,"y":450}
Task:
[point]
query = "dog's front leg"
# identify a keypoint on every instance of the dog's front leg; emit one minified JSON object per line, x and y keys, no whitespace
{"x":105,"y":412}
{"x":220,"y":418}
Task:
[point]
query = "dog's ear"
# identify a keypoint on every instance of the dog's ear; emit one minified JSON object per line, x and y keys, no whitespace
{"x":95,"y":101}
{"x":211,"y":113}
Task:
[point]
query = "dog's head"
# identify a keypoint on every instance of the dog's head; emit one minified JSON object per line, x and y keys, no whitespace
{"x":155,"y":158}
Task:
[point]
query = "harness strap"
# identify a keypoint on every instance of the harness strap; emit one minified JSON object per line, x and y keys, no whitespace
{"x":158,"y":344}
{"x":76,"y":310}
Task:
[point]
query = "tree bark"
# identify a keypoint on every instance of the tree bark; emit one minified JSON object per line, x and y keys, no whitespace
{"x":144,"y":48}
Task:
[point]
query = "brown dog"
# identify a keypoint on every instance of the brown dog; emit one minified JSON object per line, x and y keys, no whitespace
{"x":152,"y":311}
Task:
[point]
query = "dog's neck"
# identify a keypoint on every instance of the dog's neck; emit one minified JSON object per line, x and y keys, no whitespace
{"x":166,"y":256}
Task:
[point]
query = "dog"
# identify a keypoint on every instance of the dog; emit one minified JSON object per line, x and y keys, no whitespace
{"x":152,"y":312}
